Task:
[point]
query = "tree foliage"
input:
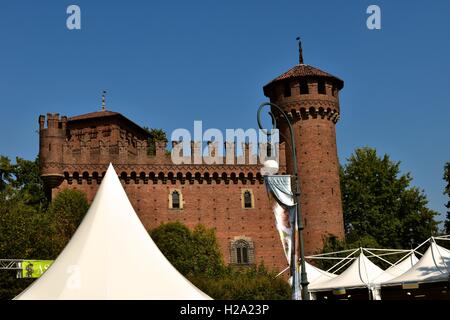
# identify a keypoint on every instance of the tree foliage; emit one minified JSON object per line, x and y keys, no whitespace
{"x":196,"y":254}
{"x":255,"y":283}
{"x":191,"y":252}
{"x":67,"y":210}
{"x":379,"y":203}
{"x":447,"y":192}
{"x":156,"y":135}
{"x":5,"y":172}
{"x":29,"y":229}
{"x":22,"y":180}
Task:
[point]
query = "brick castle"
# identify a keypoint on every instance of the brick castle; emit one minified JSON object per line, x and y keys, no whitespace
{"x":231,"y":198}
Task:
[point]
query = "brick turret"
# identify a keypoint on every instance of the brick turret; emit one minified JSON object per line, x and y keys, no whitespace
{"x":310,"y":97}
{"x":51,"y":142}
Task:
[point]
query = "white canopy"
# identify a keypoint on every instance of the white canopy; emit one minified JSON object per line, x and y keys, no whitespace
{"x":397,"y":269}
{"x":316,"y":275}
{"x":361,"y":273}
{"x":111,"y":256}
{"x":434,"y":266}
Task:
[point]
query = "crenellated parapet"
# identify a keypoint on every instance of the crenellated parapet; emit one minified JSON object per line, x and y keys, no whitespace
{"x":79,"y":149}
{"x":167,"y":174}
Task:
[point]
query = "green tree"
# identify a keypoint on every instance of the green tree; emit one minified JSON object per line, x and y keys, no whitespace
{"x":5,"y":172}
{"x":379,"y":202}
{"x":191,"y":252}
{"x":447,"y":192}
{"x":156,"y":135}
{"x":67,"y":211}
{"x":26,"y":232}
{"x":254,"y":283}
{"x":22,"y":180}
{"x":28,"y":228}
{"x":27,"y":181}
{"x":196,"y":254}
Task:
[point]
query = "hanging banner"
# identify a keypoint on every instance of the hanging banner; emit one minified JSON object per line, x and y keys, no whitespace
{"x":283,"y":224}
{"x":284,"y":209}
{"x":34,"y":268}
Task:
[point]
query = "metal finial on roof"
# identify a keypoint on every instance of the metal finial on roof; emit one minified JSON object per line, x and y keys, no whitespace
{"x":104,"y":101}
{"x":300,"y":50}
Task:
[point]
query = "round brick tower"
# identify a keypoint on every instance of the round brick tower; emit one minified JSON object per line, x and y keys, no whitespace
{"x":310,"y":97}
{"x":51,"y":141}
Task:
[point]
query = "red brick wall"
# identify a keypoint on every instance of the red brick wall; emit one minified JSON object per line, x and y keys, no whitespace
{"x":214,"y":205}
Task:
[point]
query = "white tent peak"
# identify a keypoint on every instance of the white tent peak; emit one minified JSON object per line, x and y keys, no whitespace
{"x":434,"y":266}
{"x":361,"y":273}
{"x":111,"y":256}
{"x":398,"y":269}
{"x":314,"y":274}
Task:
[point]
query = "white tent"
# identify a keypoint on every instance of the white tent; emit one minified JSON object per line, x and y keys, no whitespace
{"x":397,"y":269}
{"x":111,"y":256}
{"x":434,"y":266}
{"x":392,"y":272}
{"x":361,"y":273}
{"x":316,"y":275}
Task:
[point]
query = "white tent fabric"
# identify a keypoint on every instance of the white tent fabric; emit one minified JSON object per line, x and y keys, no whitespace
{"x":361,"y":273}
{"x":111,"y":256}
{"x":398,"y":269}
{"x":316,"y":275}
{"x":434,"y":266}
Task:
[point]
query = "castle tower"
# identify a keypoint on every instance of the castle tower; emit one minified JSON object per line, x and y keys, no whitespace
{"x":310,"y":97}
{"x":51,"y":142}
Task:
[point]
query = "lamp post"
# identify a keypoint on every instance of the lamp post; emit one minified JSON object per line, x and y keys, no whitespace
{"x":303,"y":276}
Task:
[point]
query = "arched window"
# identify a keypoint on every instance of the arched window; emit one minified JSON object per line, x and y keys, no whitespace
{"x":247,"y":199}
{"x":242,"y":251}
{"x":175,"y":200}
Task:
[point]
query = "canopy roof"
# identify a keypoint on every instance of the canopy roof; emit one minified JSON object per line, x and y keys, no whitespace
{"x":316,"y":275}
{"x":397,"y":269}
{"x":361,"y":273}
{"x":434,"y":266}
{"x":111,"y":256}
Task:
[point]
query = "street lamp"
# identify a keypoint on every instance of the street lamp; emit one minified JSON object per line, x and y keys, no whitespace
{"x":303,"y":277}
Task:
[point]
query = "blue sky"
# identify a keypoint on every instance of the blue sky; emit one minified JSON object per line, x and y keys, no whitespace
{"x":168,"y":63}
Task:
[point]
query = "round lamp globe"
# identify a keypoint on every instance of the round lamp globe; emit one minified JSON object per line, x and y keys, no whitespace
{"x":270,"y":168}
